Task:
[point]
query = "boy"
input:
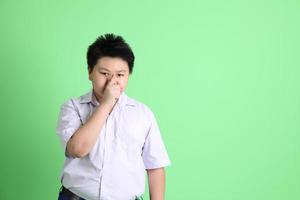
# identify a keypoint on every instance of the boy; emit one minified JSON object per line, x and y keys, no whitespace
{"x":110,"y":139}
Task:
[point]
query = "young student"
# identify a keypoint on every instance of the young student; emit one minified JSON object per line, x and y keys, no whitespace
{"x":109,"y":139}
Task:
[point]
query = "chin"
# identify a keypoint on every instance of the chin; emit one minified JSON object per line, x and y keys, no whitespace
{"x":97,"y":94}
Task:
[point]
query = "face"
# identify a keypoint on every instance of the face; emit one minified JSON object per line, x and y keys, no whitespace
{"x":108,"y":68}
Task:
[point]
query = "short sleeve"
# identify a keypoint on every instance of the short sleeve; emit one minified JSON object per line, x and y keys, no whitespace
{"x":154,"y":151}
{"x":67,"y":124}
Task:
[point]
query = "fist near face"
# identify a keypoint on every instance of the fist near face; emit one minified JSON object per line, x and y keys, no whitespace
{"x":112,"y":92}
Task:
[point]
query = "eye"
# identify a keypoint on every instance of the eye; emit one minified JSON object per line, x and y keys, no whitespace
{"x":104,"y":73}
{"x":120,"y":74}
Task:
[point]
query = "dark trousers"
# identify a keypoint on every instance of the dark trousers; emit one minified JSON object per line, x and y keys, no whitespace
{"x":65,"y":194}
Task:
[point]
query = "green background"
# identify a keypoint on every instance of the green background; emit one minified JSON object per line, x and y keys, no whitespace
{"x":222,"y":78}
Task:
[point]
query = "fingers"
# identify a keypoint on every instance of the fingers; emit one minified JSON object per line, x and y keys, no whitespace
{"x":113,"y":81}
{"x":113,"y":85}
{"x":112,"y":91}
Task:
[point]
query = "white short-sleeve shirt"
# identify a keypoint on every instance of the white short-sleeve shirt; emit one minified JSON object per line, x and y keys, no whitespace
{"x":129,"y":142}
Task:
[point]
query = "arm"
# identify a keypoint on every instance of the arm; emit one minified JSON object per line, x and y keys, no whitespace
{"x":85,"y":137}
{"x":156,"y":182}
{"x":82,"y":141}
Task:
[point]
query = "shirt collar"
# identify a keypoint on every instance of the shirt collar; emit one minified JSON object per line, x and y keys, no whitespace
{"x":90,"y":97}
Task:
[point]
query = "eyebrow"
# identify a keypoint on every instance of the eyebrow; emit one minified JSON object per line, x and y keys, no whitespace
{"x":123,"y":70}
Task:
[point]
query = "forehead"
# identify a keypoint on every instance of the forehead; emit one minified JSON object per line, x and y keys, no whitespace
{"x":112,"y":64}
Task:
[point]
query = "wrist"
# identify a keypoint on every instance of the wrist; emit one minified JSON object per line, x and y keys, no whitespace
{"x":106,"y":106}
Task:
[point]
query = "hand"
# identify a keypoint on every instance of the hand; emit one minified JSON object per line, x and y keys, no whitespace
{"x":111,"y":93}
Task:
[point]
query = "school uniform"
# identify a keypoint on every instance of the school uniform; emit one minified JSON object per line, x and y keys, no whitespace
{"x":129,"y":143}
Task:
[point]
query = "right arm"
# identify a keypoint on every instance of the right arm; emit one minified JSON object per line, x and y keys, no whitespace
{"x":83,"y":140}
{"x":86,"y":136}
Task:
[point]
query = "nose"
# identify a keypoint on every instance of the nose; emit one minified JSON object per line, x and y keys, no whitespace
{"x":113,"y":77}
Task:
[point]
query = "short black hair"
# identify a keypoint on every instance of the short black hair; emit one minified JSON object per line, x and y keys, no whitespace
{"x":109,"y":45}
